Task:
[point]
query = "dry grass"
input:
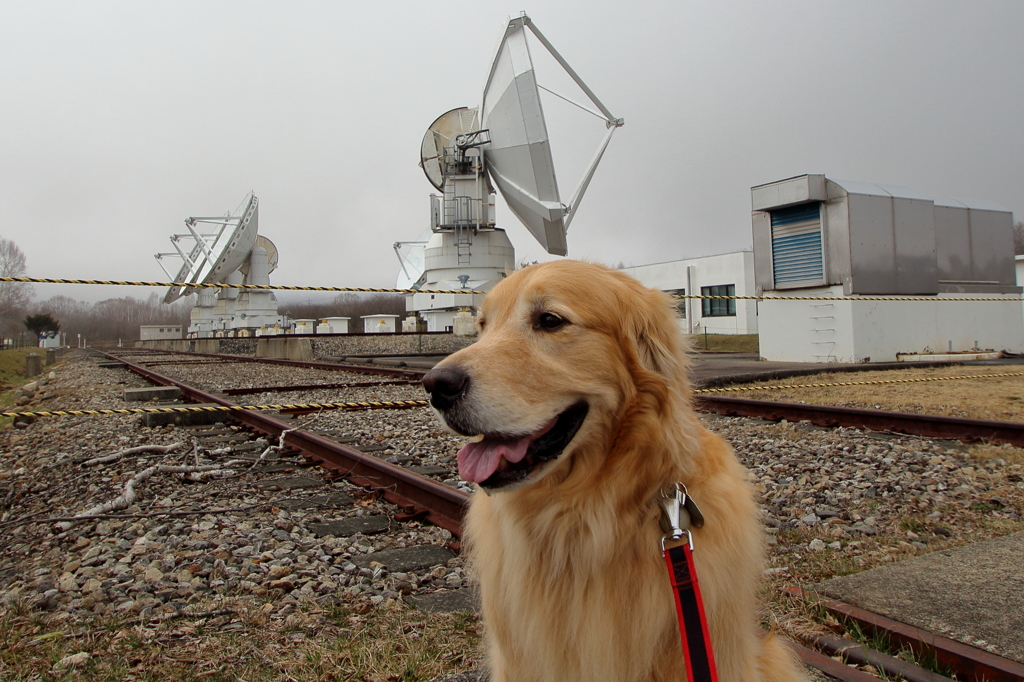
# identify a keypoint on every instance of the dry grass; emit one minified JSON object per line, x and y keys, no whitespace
{"x":388,"y":643}
{"x":725,"y":343}
{"x":1000,"y":399}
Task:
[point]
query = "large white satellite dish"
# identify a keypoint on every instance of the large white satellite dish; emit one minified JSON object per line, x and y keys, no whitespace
{"x":518,"y":156}
{"x":215,"y":253}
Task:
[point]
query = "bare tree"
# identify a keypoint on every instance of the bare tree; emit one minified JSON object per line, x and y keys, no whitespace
{"x":348,"y":305}
{"x":63,"y":308}
{"x":14,"y":296}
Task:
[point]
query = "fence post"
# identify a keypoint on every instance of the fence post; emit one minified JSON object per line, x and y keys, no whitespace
{"x":33,"y":365}
{"x":51,"y":357}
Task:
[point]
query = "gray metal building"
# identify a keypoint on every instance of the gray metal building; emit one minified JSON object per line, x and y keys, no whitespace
{"x":875,"y":238}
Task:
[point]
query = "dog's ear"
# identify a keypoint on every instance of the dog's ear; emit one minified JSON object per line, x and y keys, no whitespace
{"x":660,"y":344}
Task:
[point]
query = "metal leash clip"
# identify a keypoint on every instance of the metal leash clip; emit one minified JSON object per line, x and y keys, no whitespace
{"x":679,"y":513}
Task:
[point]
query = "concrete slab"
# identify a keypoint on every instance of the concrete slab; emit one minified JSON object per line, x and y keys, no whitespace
{"x":430,"y":470}
{"x":342,"y":528}
{"x":972,"y":594}
{"x":185,"y":418}
{"x":291,"y":483}
{"x":284,"y":349}
{"x":316,"y":502}
{"x":274,"y":468}
{"x":447,"y":601}
{"x":152,"y":393}
{"x":404,"y":559}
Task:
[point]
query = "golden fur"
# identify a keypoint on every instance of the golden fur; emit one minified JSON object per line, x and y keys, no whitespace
{"x":572,"y":581}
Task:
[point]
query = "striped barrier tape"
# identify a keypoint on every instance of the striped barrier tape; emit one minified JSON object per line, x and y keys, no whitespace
{"x":197,"y":285}
{"x":878,"y":382}
{"x":383,"y":290}
{"x":391,"y":404}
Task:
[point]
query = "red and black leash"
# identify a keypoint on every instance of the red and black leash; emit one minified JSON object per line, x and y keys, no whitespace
{"x":677,"y":546}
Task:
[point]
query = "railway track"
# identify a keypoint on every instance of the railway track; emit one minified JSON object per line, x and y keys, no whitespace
{"x":421,"y":497}
{"x":929,"y":426}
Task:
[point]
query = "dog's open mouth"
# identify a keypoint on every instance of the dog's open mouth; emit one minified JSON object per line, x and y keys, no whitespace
{"x":499,"y":460}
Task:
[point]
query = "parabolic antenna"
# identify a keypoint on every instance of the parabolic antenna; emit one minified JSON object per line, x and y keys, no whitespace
{"x":271,"y":250}
{"x":518,"y":157}
{"x":412,"y":256}
{"x":216,"y":253}
{"x":441,"y":134}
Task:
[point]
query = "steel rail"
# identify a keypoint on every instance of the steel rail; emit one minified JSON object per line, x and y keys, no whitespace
{"x":830,"y":667}
{"x":930,"y":426}
{"x":968,"y":663}
{"x":313,"y":387}
{"x":444,"y":506}
{"x":890,"y":666}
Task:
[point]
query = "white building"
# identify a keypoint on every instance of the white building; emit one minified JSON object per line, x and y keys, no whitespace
{"x":154,"y":332}
{"x":853,"y":241}
{"x":727,"y":274}
{"x":333,"y":325}
{"x":379,"y":324}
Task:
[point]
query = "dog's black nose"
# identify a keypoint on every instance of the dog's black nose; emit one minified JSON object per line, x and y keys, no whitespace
{"x":445,"y":385}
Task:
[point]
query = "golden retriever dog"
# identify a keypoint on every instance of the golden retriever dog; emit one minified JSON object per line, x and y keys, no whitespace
{"x":577,"y":401}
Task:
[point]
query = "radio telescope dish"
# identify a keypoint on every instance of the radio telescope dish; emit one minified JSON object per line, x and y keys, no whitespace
{"x":272,"y":256}
{"x":441,"y":134}
{"x":518,"y":157}
{"x":519,"y":154}
{"x":217,"y":253}
{"x":412,"y":256}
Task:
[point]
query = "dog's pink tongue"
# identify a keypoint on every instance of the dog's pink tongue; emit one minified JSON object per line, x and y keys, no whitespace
{"x":479,"y":460}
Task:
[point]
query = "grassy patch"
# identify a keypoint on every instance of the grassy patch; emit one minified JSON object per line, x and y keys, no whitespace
{"x":12,"y":365}
{"x":391,"y":642}
{"x":12,"y":375}
{"x":725,"y":343}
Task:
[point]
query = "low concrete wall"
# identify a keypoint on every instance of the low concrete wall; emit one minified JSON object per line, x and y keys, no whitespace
{"x":292,"y":348}
{"x":285,"y":349}
{"x":388,"y":344}
{"x":166,"y":344}
{"x":207,"y":345}
{"x":239,"y":346}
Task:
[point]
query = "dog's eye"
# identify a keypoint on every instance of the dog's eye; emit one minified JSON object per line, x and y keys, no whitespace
{"x":549,"y":321}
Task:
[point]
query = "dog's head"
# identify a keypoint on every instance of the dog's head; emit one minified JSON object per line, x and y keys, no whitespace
{"x":565,"y":351}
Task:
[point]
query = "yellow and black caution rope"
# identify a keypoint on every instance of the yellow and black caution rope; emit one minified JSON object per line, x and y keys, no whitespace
{"x":877,"y":382}
{"x":383,"y":405}
{"x":197,"y":285}
{"x":383,"y":290}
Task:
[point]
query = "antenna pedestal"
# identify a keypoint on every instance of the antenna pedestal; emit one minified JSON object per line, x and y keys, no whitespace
{"x":491,"y":260}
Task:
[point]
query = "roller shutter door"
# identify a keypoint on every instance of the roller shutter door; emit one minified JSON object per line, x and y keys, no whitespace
{"x":796,"y":245}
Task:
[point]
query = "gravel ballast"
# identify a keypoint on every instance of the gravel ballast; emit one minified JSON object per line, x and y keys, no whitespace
{"x":834,"y":501}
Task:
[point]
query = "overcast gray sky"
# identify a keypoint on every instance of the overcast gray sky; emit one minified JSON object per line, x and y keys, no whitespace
{"x":120,"y":119}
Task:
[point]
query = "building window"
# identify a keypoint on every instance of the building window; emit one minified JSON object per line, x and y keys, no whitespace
{"x":680,"y":302}
{"x":718,"y":307}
